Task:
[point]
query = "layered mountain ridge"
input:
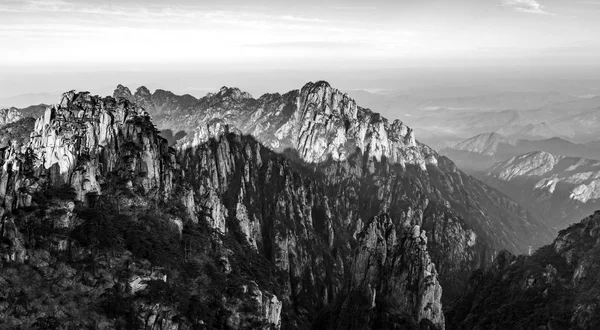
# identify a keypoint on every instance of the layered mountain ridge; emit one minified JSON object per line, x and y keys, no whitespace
{"x":410,"y":181}
{"x":484,"y":143}
{"x":94,"y":145}
{"x":296,"y":208}
{"x":479,"y":153}
{"x":318,"y":121}
{"x":558,"y":188}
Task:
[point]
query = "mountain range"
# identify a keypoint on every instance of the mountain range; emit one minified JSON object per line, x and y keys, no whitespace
{"x":442,"y":114}
{"x":558,"y":189}
{"x":478,"y":153}
{"x":291,"y":210}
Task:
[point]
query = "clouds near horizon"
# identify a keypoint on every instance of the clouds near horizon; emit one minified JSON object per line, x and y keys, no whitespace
{"x":526,"y":6}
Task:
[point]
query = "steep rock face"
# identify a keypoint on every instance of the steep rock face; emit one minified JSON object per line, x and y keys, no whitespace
{"x":244,"y":188}
{"x":16,"y":134}
{"x":268,"y":307}
{"x":393,"y":282}
{"x":555,"y":288}
{"x":560,"y":189}
{"x":305,"y":219}
{"x":328,"y":123}
{"x":82,"y":140}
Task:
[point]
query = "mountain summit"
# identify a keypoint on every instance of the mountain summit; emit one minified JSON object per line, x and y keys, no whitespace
{"x":292,"y":211}
{"x":323,"y":129}
{"x":318,"y":121}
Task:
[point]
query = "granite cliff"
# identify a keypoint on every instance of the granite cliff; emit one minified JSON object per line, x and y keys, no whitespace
{"x":83,"y":141}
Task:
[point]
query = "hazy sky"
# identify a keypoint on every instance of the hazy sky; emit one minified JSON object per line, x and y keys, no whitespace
{"x":74,"y":35}
{"x":107,"y":32}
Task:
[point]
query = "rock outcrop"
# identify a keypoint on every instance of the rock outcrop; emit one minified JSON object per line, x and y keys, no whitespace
{"x":85,"y":141}
{"x":393,"y":282}
{"x":9,"y":115}
{"x":555,"y":288}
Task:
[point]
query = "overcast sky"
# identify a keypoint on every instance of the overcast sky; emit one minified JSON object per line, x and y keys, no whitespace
{"x":68,"y":35}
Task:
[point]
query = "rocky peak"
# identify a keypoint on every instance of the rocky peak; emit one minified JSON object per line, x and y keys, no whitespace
{"x":212,"y":130}
{"x":233,"y":93}
{"x":318,"y":121}
{"x":79,"y":141}
{"x":328,"y":123}
{"x":484,"y":143}
{"x":142,"y":92}
{"x":122,"y":91}
{"x":535,"y":163}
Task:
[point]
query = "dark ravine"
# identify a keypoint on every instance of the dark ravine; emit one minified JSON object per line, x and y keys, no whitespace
{"x":287,"y":211}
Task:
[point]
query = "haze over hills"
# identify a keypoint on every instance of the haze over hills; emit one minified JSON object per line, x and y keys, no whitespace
{"x":558,"y":189}
{"x":25,"y":100}
{"x":479,"y":153}
{"x":520,"y":115}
